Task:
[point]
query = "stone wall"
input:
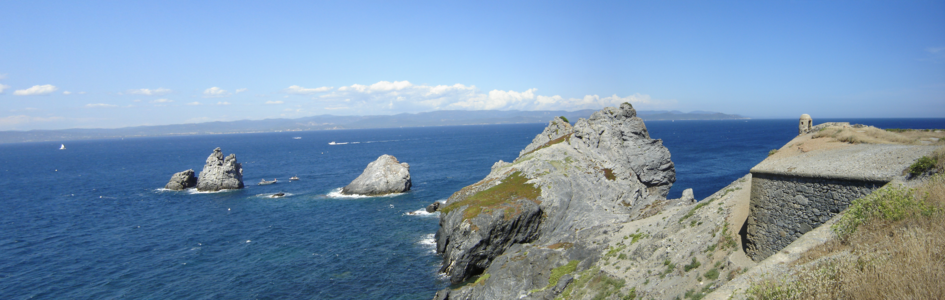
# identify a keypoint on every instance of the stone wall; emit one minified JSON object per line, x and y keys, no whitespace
{"x":785,"y":207}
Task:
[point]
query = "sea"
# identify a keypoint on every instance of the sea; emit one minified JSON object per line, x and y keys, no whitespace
{"x":94,"y":222}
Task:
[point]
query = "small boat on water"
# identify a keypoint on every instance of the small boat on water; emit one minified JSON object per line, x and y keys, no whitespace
{"x":333,"y":143}
{"x":62,"y":147}
{"x":264,"y":182}
{"x":297,"y":138}
{"x":293,"y":178}
{"x":278,"y":195}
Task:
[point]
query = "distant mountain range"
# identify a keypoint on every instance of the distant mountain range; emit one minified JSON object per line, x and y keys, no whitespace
{"x":331,"y":122}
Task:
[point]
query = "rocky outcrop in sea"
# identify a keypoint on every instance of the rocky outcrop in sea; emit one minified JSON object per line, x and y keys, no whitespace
{"x":220,"y":174}
{"x":538,"y":212}
{"x":383,"y":176}
{"x":182,"y":180}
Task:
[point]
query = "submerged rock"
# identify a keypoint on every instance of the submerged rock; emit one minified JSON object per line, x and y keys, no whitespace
{"x":381,"y":177}
{"x":220,"y":174}
{"x":539,"y":211}
{"x":182,"y":180}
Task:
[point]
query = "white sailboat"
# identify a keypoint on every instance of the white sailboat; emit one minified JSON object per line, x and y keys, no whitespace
{"x":62,"y":147}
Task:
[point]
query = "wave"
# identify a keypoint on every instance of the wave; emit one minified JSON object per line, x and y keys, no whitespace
{"x":192,"y":191}
{"x":274,"y":195}
{"x":423,"y":211}
{"x":336,"y":193}
{"x":428,"y":241}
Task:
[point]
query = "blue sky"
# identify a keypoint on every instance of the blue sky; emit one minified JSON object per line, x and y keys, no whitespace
{"x":95,"y":64}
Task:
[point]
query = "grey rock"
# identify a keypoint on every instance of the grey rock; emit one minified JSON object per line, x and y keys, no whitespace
{"x":220,"y":174}
{"x":443,"y":294}
{"x":182,"y":180}
{"x":563,"y":283}
{"x":381,"y":177}
{"x":601,"y":171}
{"x":433,"y":207}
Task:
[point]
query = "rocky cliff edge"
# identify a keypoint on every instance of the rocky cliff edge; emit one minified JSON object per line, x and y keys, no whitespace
{"x":532,"y":219}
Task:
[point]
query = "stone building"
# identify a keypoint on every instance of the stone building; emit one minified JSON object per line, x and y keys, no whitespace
{"x":806,"y":124}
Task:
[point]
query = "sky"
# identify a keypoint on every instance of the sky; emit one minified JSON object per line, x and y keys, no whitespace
{"x":109,"y":64}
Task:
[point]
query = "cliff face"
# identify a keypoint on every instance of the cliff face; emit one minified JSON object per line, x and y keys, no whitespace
{"x":541,"y":211}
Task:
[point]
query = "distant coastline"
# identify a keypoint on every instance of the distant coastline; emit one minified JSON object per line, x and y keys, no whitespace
{"x":332,"y":122}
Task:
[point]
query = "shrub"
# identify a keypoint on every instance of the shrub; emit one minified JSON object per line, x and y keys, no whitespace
{"x":772,"y":152}
{"x":712,"y":274}
{"x":887,"y":203}
{"x":692,"y":265}
{"x":564,"y":119}
{"x":921,"y":165}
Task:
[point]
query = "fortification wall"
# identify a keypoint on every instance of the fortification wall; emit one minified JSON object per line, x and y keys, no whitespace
{"x":785,"y":207}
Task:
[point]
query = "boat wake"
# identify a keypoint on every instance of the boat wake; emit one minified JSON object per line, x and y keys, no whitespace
{"x":275,"y":195}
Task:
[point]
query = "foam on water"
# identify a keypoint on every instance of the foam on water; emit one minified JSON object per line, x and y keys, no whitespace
{"x":336,"y":193}
{"x":428,"y":241}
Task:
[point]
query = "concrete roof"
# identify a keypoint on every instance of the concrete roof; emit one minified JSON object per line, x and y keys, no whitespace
{"x":869,"y":162}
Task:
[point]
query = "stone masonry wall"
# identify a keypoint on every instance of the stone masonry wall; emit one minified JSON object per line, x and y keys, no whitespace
{"x":785,"y":207}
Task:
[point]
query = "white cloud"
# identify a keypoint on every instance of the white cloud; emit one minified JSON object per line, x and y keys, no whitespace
{"x":274,"y":102}
{"x":149,"y":92}
{"x":37,"y":90}
{"x":3,"y":87}
{"x":241,"y":90}
{"x":98,"y":105}
{"x":215,"y":92}
{"x":162,"y":100}
{"x":298,"y":90}
{"x":194,"y":103}
{"x":81,"y":93}
{"x":67,"y":93}
{"x":402,"y":96}
{"x":223,"y":103}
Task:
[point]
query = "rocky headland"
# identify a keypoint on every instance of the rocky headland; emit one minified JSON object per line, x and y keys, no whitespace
{"x":538,"y":214}
{"x":220,"y":173}
{"x":582,"y":214}
{"x":383,"y":176}
{"x":181,"y":181}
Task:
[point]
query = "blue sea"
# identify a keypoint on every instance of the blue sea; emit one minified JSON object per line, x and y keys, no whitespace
{"x":93,"y":222}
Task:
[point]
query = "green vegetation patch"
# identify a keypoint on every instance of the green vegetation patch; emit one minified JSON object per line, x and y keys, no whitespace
{"x":636,"y":237}
{"x":924,"y":163}
{"x":698,"y":206}
{"x":556,"y":273}
{"x":593,"y":280}
{"x":481,"y":279}
{"x":887,"y":203}
{"x":692,"y":265}
{"x":712,"y":274}
{"x":772,"y":152}
{"x":500,"y":196}
{"x":564,"y":119}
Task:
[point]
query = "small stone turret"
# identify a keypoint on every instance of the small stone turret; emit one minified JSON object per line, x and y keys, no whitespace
{"x":806,"y":124}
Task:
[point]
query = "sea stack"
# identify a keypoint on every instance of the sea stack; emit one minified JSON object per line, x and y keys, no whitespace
{"x":182,"y":180}
{"x":220,"y":174}
{"x":381,"y":177}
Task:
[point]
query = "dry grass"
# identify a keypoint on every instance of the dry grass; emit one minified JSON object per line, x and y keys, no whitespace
{"x":871,"y":135}
{"x":896,"y":252}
